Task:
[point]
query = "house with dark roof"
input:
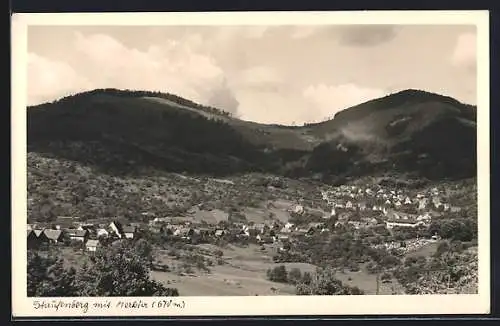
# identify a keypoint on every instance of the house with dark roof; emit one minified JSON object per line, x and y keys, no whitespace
{"x":116,"y":228}
{"x":42,"y":238}
{"x":33,"y":240}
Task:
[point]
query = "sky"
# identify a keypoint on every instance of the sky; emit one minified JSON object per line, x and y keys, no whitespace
{"x":269,"y":74}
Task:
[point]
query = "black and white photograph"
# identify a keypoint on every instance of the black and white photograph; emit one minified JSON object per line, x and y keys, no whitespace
{"x":253,"y":159}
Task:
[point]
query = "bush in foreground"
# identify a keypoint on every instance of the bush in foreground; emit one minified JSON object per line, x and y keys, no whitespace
{"x":324,"y":282}
{"x":119,"y":270}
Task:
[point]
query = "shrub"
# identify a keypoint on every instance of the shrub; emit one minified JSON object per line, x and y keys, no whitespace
{"x":294,"y":276}
{"x":278,"y":274}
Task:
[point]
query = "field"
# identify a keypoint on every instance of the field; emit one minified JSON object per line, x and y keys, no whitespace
{"x":244,"y":273}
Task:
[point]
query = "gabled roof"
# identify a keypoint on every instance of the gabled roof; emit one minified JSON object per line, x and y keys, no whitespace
{"x":117,"y":224}
{"x":77,"y":233}
{"x":128,"y":229}
{"x":53,"y":234}
{"x":38,"y":232}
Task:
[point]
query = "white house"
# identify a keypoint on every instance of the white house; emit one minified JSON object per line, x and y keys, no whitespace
{"x":219,"y":233}
{"x":129,"y":232}
{"x":348,"y":205}
{"x":407,"y":201}
{"x":102,"y":233}
{"x":424,"y":217}
{"x":403,"y":223}
{"x":92,"y":245}
{"x":285,"y":230}
{"x":298,"y":209}
{"x":422,"y":203}
{"x":116,"y":228}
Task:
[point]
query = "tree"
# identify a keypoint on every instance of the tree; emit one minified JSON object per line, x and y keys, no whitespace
{"x":47,"y":277}
{"x":278,"y":274}
{"x":324,"y":282}
{"x":144,"y":250}
{"x":443,"y":247}
{"x":294,"y":276}
{"x":120,"y":270}
{"x":306,"y":278}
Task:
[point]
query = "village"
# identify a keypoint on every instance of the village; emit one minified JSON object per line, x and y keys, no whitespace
{"x":356,"y":207}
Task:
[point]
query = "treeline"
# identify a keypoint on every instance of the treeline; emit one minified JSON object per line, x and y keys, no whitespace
{"x":136,"y":94}
{"x":452,"y":269}
{"x":121,"y":269}
{"x":122,"y":133}
{"x":348,"y":248}
{"x":322,"y":282}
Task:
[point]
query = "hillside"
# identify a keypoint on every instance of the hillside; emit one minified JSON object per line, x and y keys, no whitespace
{"x":59,"y":187}
{"x":126,"y":132}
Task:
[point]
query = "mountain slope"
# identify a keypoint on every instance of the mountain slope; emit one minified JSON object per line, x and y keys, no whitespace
{"x":122,"y":131}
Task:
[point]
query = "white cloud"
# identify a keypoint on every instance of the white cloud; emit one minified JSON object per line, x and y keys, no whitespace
{"x":258,"y":77}
{"x":465,"y":53}
{"x":173,"y":66}
{"x":269,"y":107}
{"x":257,"y":72}
{"x":330,"y":99}
{"x":48,"y":80}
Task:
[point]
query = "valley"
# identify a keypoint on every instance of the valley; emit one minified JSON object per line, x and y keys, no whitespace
{"x":374,"y":201}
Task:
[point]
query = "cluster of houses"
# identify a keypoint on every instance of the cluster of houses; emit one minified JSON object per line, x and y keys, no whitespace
{"x":86,"y":233}
{"x":371,"y":206}
{"x":382,"y":199}
{"x":262,"y":233}
{"x":394,"y":206}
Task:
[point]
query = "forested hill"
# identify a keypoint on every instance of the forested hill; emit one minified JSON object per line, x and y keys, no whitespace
{"x":123,"y":131}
